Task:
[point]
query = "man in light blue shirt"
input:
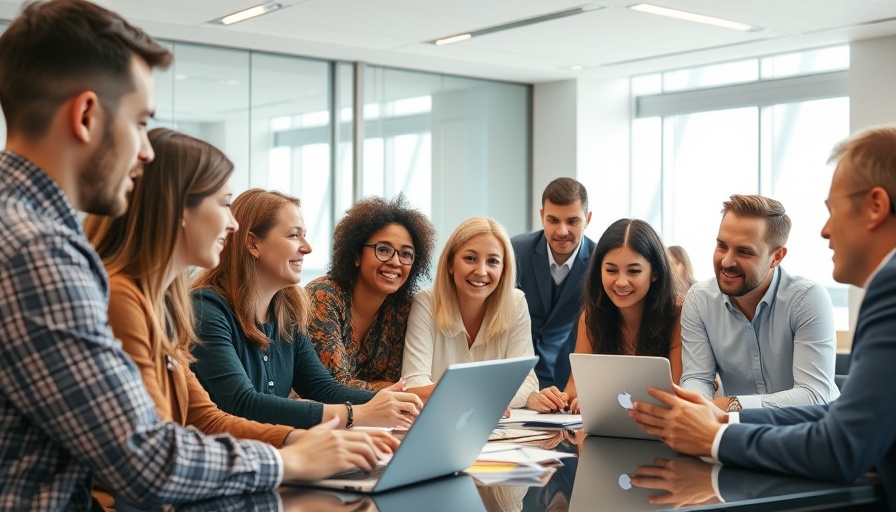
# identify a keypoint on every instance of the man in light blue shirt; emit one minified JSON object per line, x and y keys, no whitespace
{"x":768,"y":335}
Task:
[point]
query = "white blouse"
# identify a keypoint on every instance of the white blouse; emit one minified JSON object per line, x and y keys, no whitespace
{"x":429,"y":351}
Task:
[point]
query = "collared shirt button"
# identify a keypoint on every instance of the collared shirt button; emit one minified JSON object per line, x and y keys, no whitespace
{"x":271,"y":383}
{"x":265,"y":358}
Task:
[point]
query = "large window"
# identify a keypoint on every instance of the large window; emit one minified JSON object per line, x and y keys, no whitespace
{"x":696,"y":142}
{"x":457,"y":147}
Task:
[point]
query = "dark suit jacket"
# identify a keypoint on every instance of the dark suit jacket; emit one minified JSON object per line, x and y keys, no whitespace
{"x":852,"y":435}
{"x":553,"y":329}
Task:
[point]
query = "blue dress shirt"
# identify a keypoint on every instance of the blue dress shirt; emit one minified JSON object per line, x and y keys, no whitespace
{"x":784,"y":356}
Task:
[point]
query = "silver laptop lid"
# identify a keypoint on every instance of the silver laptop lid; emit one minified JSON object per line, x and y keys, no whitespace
{"x":452,"y":428}
{"x":606,"y":386}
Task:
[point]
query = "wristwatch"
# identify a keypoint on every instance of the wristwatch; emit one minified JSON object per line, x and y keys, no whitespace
{"x":734,"y":405}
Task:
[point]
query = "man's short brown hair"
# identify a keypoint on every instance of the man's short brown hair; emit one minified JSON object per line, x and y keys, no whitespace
{"x":57,"y":49}
{"x":871,"y":156}
{"x":564,"y":191}
{"x":755,"y":206}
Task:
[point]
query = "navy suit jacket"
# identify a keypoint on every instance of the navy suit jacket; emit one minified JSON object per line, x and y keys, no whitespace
{"x":553,"y":329}
{"x":853,"y":434}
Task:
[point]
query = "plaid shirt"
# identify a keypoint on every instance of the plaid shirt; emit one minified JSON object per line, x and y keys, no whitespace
{"x":72,"y":404}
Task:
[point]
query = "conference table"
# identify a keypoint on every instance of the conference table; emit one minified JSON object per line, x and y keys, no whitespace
{"x":600,"y":477}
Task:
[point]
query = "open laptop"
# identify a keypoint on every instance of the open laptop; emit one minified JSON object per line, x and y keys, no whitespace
{"x":450,"y":431}
{"x":608,"y":384}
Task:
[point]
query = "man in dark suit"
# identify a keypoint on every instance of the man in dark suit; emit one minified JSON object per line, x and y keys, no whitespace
{"x":552,"y":264}
{"x":857,"y":432}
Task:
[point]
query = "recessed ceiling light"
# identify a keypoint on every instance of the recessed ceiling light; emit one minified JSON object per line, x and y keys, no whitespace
{"x":582,"y":9}
{"x":689,"y":16}
{"x":453,"y":39}
{"x":251,"y":12}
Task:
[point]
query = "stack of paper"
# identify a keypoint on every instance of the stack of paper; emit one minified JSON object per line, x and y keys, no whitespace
{"x":494,"y":473}
{"x":526,"y":418}
{"x":521,"y":435}
{"x":506,"y":463}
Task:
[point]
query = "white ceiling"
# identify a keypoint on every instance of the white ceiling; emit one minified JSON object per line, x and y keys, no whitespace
{"x":610,"y":42}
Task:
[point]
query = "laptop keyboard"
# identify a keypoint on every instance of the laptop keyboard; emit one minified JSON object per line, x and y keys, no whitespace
{"x":360,"y":474}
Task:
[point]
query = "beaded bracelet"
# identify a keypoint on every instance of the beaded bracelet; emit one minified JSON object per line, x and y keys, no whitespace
{"x":351,"y":416}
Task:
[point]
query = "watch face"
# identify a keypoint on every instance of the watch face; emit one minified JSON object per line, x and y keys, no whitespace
{"x":734,"y":404}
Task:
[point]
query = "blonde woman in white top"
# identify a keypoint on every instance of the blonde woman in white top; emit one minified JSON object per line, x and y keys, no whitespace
{"x":472,"y":313}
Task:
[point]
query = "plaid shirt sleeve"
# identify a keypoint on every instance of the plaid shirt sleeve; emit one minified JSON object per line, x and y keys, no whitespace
{"x":74,"y":399}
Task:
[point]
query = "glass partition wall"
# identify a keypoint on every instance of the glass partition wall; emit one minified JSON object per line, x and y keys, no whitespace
{"x":456,"y":147}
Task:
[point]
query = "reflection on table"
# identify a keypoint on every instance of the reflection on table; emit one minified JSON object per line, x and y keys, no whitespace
{"x":629,"y":474}
{"x":609,"y":474}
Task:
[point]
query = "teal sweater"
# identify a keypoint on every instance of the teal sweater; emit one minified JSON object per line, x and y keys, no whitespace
{"x":245,"y":381}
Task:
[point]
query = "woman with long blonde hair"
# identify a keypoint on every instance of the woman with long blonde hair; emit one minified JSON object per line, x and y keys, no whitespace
{"x":473,"y":312}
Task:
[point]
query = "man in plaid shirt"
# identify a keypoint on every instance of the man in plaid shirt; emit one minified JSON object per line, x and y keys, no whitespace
{"x":76,"y":89}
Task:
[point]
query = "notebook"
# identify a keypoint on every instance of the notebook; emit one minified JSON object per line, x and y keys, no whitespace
{"x":608,"y":384}
{"x":604,"y":472}
{"x":450,"y":431}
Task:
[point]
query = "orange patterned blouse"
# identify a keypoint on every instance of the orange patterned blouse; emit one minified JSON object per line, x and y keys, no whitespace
{"x":352,"y":363}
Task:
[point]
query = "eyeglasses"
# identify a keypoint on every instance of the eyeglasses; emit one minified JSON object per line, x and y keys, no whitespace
{"x":384,"y":252}
{"x":827,"y":202}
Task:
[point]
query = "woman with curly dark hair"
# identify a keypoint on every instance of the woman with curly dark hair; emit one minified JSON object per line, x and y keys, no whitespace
{"x":382,"y":251}
{"x":631,"y":305}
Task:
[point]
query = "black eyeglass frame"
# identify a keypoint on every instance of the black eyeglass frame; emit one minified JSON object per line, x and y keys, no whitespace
{"x":392,"y":252}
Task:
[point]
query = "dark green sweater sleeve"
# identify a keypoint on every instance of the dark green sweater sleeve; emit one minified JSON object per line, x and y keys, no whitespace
{"x":312,"y":379}
{"x":236,"y":374}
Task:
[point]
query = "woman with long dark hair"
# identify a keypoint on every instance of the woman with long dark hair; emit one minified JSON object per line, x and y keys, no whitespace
{"x":631,"y":306}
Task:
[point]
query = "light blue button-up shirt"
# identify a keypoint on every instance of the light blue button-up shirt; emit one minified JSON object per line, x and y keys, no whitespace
{"x":784,"y":357}
{"x":559,"y":272}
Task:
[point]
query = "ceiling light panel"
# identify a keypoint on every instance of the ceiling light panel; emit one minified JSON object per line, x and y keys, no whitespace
{"x":249,"y":13}
{"x":589,"y":7}
{"x":689,"y":16}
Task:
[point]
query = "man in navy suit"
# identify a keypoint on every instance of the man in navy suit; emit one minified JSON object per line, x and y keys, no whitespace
{"x":857,"y":432}
{"x":552,"y":264}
